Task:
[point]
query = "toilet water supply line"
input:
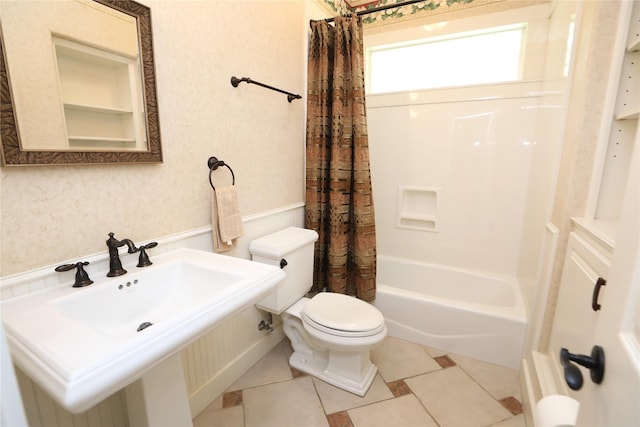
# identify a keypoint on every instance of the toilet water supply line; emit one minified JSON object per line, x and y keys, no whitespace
{"x":266,"y":324}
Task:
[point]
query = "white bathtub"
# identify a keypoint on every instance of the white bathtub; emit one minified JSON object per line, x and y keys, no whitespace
{"x":462,"y":312}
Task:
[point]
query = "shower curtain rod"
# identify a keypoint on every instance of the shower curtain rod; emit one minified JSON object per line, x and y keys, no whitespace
{"x":381,"y":8}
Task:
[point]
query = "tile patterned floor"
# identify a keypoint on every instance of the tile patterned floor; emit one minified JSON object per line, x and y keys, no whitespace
{"x":415,"y":386}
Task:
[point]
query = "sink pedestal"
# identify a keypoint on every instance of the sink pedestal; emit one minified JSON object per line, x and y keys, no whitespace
{"x":159,"y":398}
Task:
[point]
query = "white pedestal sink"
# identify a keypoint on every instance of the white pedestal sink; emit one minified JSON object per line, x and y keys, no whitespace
{"x":83,"y":344}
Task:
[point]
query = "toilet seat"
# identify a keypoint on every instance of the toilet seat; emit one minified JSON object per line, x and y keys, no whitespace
{"x":341,"y":315}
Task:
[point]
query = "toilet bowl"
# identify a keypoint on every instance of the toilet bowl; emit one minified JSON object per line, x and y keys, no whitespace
{"x":326,"y":347}
{"x":331,"y":334}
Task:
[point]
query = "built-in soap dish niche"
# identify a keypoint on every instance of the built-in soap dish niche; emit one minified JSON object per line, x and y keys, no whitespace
{"x":418,"y":208}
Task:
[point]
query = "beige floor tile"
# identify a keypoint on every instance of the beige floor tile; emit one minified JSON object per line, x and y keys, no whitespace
{"x":397,"y":359}
{"x":462,"y":395}
{"x":403,"y":411}
{"x":291,"y":403}
{"x":517,"y":421}
{"x":434,"y":352}
{"x":230,"y":417}
{"x":454,"y":399}
{"x":501,"y":382}
{"x":335,"y":399}
{"x":273,"y":367}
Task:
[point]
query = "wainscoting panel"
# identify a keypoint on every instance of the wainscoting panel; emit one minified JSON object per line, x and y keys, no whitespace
{"x":42,"y":411}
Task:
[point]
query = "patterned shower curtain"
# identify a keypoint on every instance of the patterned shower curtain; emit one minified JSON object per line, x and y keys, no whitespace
{"x":339,"y":201}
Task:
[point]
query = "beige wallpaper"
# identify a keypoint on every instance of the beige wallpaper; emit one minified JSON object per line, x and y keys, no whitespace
{"x":54,"y":214}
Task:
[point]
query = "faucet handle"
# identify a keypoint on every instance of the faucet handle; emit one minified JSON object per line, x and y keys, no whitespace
{"x":112,"y":242}
{"x":82,"y":278}
{"x":143,"y":259}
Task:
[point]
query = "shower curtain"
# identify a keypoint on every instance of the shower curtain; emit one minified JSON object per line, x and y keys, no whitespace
{"x":339,"y":200}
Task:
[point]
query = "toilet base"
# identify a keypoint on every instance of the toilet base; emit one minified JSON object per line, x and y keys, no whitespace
{"x":345,"y":364}
{"x":349,"y":371}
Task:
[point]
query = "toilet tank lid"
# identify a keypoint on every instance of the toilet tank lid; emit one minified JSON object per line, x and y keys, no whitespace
{"x":277,"y":245}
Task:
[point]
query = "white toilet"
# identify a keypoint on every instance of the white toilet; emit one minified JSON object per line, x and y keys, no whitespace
{"x":331,"y":334}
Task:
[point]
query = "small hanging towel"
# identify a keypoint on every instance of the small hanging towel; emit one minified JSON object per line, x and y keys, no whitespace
{"x":226,"y":223}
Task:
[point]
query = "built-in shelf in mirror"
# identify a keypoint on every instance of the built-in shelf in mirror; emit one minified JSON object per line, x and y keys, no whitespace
{"x":101,"y":97}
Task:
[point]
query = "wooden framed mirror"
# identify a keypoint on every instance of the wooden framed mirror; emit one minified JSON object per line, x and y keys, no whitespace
{"x":66,"y":120}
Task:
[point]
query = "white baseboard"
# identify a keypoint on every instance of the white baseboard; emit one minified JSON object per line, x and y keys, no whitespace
{"x":538,"y":379}
{"x":528,"y":393}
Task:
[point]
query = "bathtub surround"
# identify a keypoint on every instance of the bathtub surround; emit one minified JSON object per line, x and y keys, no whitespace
{"x":338,"y":192}
{"x":475,"y":222}
{"x":491,"y":216}
{"x":423,"y":140}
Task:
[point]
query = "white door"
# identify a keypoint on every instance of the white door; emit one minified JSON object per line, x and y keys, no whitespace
{"x":616,"y":401}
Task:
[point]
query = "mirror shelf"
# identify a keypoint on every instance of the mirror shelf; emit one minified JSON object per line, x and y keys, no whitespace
{"x":119,"y":126}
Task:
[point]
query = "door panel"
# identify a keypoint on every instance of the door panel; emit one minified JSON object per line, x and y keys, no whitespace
{"x":616,"y":402}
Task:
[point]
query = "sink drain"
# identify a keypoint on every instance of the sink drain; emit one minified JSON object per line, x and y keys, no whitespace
{"x":144,"y":325}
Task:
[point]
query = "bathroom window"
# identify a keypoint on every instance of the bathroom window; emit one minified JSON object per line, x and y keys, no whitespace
{"x":567,"y":58}
{"x":477,"y":57}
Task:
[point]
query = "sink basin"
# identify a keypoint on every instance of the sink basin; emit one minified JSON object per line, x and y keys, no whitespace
{"x":153,"y":297}
{"x":83,"y":344}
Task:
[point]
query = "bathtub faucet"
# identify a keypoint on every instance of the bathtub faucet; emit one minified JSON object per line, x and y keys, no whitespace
{"x":115,"y":265}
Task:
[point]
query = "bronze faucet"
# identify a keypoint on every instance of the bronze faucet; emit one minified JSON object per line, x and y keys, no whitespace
{"x":115,"y":265}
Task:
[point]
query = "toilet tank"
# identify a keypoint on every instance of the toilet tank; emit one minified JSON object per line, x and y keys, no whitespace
{"x":294,"y":246}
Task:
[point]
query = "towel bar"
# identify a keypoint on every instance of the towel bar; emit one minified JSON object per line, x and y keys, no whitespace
{"x":213,"y":163}
{"x":236,"y":81}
